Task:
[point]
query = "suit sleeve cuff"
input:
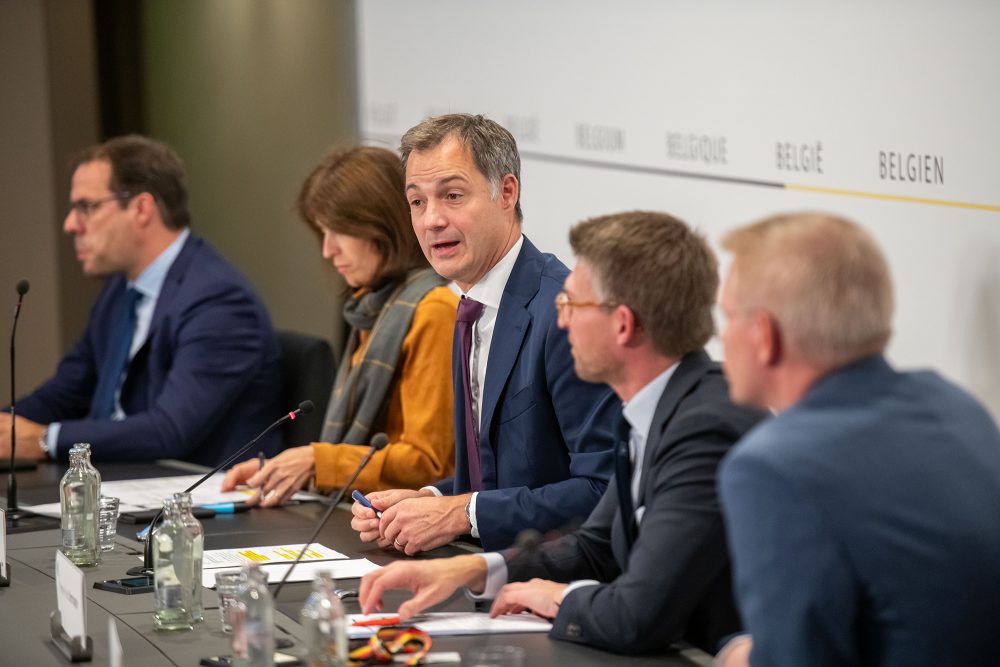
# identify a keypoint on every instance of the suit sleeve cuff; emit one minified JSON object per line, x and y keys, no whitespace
{"x":575,"y":585}
{"x":496,"y":576}
{"x":52,"y":439}
{"x":472,"y":518}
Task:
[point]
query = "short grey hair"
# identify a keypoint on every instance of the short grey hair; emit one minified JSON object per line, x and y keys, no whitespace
{"x":823,"y":278}
{"x":493,"y":148}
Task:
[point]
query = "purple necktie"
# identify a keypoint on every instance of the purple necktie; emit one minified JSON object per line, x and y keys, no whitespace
{"x":469,"y":311}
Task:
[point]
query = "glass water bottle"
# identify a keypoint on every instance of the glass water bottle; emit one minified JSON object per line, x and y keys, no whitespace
{"x":325,"y":624}
{"x":79,"y":492}
{"x":173,"y":555}
{"x":197,"y":535}
{"x":253,"y":620}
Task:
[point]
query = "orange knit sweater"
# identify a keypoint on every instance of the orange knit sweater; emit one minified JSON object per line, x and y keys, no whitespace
{"x":419,"y":422}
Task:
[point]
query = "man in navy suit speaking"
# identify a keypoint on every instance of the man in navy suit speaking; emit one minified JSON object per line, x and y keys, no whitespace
{"x":864,"y":519}
{"x":178,"y":358}
{"x":533,"y":442}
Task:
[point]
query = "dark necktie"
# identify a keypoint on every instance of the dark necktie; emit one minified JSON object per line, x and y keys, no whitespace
{"x":469,"y":311}
{"x":623,"y":479}
{"x":117,"y":358}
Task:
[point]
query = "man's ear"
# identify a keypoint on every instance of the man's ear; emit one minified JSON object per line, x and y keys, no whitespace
{"x":767,"y":339}
{"x":509,"y":191}
{"x":627,"y":328}
{"x":145,"y":208}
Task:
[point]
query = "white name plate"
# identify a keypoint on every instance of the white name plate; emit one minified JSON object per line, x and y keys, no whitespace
{"x":3,"y":544}
{"x":71,"y":592}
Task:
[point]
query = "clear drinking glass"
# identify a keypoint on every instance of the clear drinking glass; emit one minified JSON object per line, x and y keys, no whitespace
{"x":226,"y":585}
{"x":107,"y":526}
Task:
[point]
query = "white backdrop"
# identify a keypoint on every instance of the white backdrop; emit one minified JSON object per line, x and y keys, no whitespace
{"x":887,"y":112}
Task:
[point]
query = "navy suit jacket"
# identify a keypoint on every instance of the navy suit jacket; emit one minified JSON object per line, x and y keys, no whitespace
{"x":674,"y":583}
{"x":546,"y":442}
{"x":865,"y":524}
{"x":206,"y":380}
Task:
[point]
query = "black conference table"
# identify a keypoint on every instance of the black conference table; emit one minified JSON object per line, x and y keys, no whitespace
{"x":25,"y":605}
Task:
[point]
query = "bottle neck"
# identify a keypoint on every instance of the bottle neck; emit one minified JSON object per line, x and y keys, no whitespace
{"x":75,"y":459}
{"x":171,"y":510}
{"x":184,"y":507}
{"x":324,"y":583}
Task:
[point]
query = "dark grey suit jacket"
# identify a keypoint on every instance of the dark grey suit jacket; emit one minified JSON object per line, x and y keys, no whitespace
{"x":674,"y":583}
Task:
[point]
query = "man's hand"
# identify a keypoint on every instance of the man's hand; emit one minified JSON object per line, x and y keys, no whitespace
{"x":540,"y":596}
{"x":736,"y":652}
{"x":430,"y":581}
{"x":28,"y":435}
{"x":418,"y":524}
{"x":278,"y":480}
{"x":367,"y":524}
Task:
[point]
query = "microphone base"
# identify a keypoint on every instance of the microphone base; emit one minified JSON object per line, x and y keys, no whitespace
{"x":126,"y":586}
{"x":22,"y":521}
{"x":140,"y":571}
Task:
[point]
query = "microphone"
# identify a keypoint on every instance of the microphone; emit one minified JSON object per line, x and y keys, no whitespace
{"x":378,"y":441}
{"x":22,"y":288}
{"x":305,"y":407}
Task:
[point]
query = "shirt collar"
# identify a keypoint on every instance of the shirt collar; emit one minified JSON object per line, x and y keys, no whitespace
{"x":640,"y":410}
{"x":489,"y":290}
{"x":150,"y":281}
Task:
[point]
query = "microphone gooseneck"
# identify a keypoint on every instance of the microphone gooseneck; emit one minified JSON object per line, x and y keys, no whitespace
{"x":378,"y":441}
{"x":305,"y":407}
{"x":22,"y":288}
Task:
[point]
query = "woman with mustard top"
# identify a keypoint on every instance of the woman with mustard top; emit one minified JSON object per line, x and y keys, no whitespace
{"x":395,"y":374}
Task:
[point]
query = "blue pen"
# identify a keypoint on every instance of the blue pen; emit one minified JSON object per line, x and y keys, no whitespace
{"x":227,"y":508}
{"x":360,"y":497}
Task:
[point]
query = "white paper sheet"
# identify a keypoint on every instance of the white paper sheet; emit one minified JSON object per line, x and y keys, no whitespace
{"x":149,"y":493}
{"x":304,"y":571}
{"x":55,"y":510}
{"x":281,"y":553}
{"x":443,"y":624}
{"x":136,"y":495}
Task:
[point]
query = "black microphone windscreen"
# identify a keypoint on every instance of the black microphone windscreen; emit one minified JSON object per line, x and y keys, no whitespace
{"x":23,"y":286}
{"x":305,"y":407}
{"x":379,"y":441}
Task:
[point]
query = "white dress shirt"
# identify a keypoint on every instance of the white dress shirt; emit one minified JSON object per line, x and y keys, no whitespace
{"x":488,"y":291}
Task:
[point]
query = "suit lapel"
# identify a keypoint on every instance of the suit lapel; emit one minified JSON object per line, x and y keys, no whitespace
{"x":513,"y":320}
{"x":692,"y":368}
{"x":175,"y":276}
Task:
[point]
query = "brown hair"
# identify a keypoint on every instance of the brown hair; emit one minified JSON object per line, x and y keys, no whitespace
{"x":823,"y":278}
{"x":140,"y":164}
{"x":658,"y":267}
{"x":359,"y":192}
{"x":492,"y":147}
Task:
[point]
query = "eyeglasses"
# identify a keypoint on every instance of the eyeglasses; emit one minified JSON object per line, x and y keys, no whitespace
{"x":565,"y":305}
{"x":84,"y":208}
